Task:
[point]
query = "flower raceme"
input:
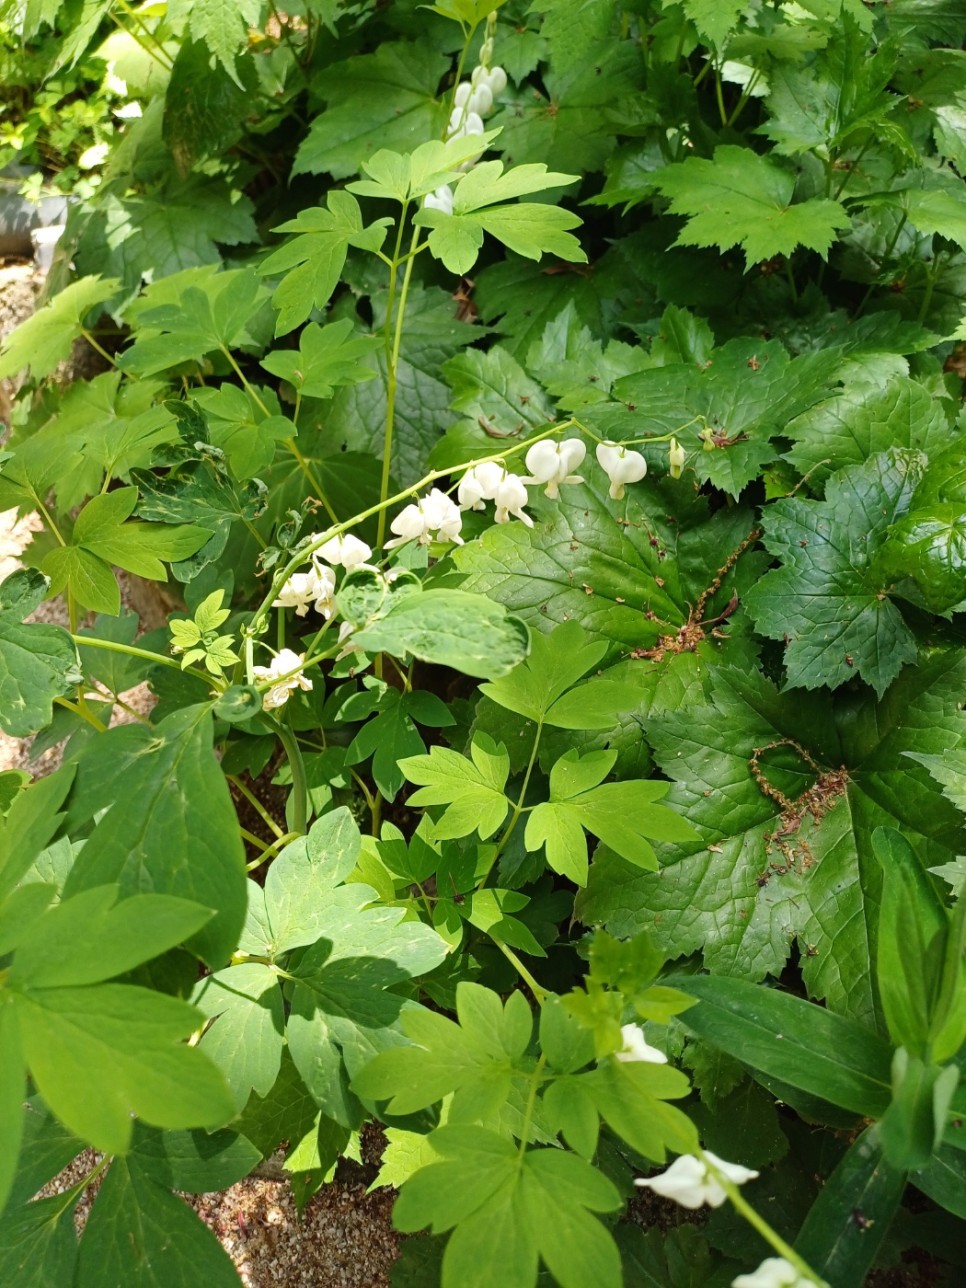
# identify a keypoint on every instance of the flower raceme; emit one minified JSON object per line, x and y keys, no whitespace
{"x":691,"y":1182}
{"x":312,"y":589}
{"x":286,"y":673}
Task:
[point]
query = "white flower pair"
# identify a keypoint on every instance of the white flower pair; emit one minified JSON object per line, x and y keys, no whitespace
{"x":286,"y":673}
{"x":316,"y":588}
{"x":492,"y":482}
{"x":433,"y":518}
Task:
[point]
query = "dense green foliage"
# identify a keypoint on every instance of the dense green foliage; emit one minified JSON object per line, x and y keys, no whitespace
{"x":682,"y":748}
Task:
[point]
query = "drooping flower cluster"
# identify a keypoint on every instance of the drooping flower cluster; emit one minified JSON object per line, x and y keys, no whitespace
{"x":433,"y":518}
{"x":692,"y":1183}
{"x":473,"y":100}
{"x":316,"y":588}
{"x":286,"y":675}
{"x":492,"y":482}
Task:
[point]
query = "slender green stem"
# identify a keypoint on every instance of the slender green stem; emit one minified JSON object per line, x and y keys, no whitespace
{"x":758,"y":1222}
{"x":300,"y":792}
{"x":143,"y":37}
{"x":391,"y":383}
{"x":745,"y":95}
{"x":719,"y":96}
{"x":98,"y":348}
{"x":48,"y":519}
{"x":109,"y":646}
{"x":256,"y":804}
{"x":518,"y":809}
{"x":252,"y":839}
{"x":316,"y":486}
{"x":540,"y":994}
{"x":246,"y":383}
{"x":893,"y":240}
{"x":84,"y":712}
{"x":791,"y":278}
{"x":271,"y":850}
{"x":932,"y":277}
{"x":535,"y":1079}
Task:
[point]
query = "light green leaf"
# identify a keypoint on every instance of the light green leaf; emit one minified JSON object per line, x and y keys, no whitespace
{"x":450,"y":627}
{"x":326,"y":358}
{"x":557,"y":661}
{"x":46,"y":338}
{"x":713,"y":18}
{"x":741,"y":199}
{"x":170,"y":825}
{"x":245,"y":1040}
{"x":128,"y":1043}
{"x":38,"y":1243}
{"x":472,"y":790}
{"x":220,"y":25}
{"x":311,"y":263}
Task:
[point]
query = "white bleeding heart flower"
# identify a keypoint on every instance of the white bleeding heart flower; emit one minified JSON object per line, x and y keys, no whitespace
{"x":434,"y":518}
{"x":636,"y":1048}
{"x":554,"y":463}
{"x":286,"y":672}
{"x":481,"y":99}
{"x":510,"y":496}
{"x":676,"y":456}
{"x":691,"y":1182}
{"x":497,"y":81}
{"x":315,"y":588}
{"x":479,"y":484}
{"x":441,"y":200}
{"x":462,"y":96}
{"x":344,"y":551}
{"x":621,"y":465}
{"x":774,"y":1272}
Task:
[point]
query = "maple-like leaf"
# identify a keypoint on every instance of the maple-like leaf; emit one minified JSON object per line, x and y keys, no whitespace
{"x":742,"y":199}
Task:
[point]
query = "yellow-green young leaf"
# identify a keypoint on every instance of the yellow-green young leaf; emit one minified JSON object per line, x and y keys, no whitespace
{"x":407,"y":176}
{"x":245,"y":1041}
{"x":528,"y":228}
{"x":742,"y":199}
{"x":45,"y":339}
{"x":557,"y":661}
{"x":472,"y":790}
{"x":100,"y":1053}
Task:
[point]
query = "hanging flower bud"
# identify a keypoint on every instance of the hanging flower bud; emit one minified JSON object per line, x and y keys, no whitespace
{"x":707,"y":438}
{"x":774,"y":1272}
{"x":636,"y":1048}
{"x":441,"y":200}
{"x":286,"y":670}
{"x":554,"y":463}
{"x":463,"y":91}
{"x":481,"y":99}
{"x":621,"y":466}
{"x":676,"y":456}
{"x":479,"y":484}
{"x":511,"y":496}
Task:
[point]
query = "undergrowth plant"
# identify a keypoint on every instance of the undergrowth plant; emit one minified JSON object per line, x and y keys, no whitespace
{"x":545,"y":426}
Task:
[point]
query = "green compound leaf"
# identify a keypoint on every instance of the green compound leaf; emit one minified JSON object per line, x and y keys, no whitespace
{"x":530,"y":229}
{"x":623,"y":815}
{"x":472,"y":789}
{"x":770,"y":869}
{"x":830,"y":600}
{"x":102,"y":538}
{"x":170,"y":826}
{"x":450,"y":627}
{"x":481,"y":1186}
{"x":128,"y":1042}
{"x":245,"y":1040}
{"x":37,"y":662}
{"x":140,"y":1234}
{"x":327,"y":357}
{"x":391,"y":736}
{"x":742,"y":199}
{"x":311,"y":264}
{"x":220,"y":25}
{"x":474,"y":1060}
{"x":405,"y":177}
{"x":345,"y":1007}
{"x":45,"y":340}
{"x":713,"y":18}
{"x":195,"y":1162}
{"x":205,"y":319}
